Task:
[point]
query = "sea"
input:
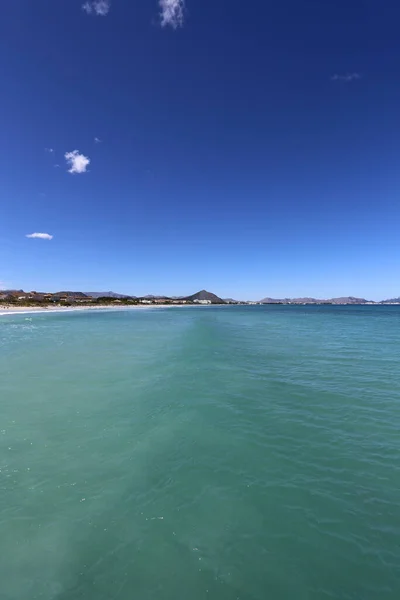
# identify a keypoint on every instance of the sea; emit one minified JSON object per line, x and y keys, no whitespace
{"x":209,"y":453}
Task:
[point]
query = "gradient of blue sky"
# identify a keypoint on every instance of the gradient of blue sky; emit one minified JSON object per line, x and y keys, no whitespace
{"x":231,"y":158}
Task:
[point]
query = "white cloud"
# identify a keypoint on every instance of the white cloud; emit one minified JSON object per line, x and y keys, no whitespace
{"x":347,"y":77}
{"x":172,"y":12}
{"x":100,"y":8}
{"x":40,"y":236}
{"x":97,"y":140}
{"x":87,"y":7}
{"x":51,"y":150}
{"x":78,"y":163}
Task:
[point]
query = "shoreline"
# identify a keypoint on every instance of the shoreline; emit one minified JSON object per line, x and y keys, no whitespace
{"x":23,"y":310}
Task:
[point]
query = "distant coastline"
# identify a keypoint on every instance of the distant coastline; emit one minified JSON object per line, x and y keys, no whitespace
{"x":19,"y":300}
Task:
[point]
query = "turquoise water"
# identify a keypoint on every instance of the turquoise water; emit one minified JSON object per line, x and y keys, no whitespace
{"x":202,"y":453}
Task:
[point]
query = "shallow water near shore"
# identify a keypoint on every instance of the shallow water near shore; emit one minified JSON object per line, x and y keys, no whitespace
{"x":212,"y":453}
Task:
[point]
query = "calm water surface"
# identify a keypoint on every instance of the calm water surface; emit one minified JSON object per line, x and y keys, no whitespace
{"x":218,"y":454}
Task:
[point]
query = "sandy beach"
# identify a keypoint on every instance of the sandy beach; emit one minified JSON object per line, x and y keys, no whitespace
{"x":22,"y":310}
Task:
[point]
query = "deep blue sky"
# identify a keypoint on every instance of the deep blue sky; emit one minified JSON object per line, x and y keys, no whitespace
{"x":231,"y":157}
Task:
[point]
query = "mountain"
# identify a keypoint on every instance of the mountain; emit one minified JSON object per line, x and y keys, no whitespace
{"x":273,"y":301}
{"x":204,"y":295}
{"x":391,"y":301}
{"x":348,"y":300}
{"x":107,"y":295}
{"x":73,"y":294}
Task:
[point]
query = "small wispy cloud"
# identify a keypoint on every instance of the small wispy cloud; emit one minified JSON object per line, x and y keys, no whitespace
{"x":51,"y":150}
{"x":97,"y":140}
{"x":347,"y":77}
{"x":101,"y":8}
{"x":78,"y":163}
{"x":172,"y":12}
{"x":39,"y":236}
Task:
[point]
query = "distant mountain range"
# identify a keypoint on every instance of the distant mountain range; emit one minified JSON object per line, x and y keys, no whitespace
{"x":201,"y":297}
{"x":204,"y":295}
{"x":107,"y":295}
{"x":342,"y":300}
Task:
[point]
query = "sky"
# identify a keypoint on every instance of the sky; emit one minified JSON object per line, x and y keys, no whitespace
{"x":248,"y":148}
